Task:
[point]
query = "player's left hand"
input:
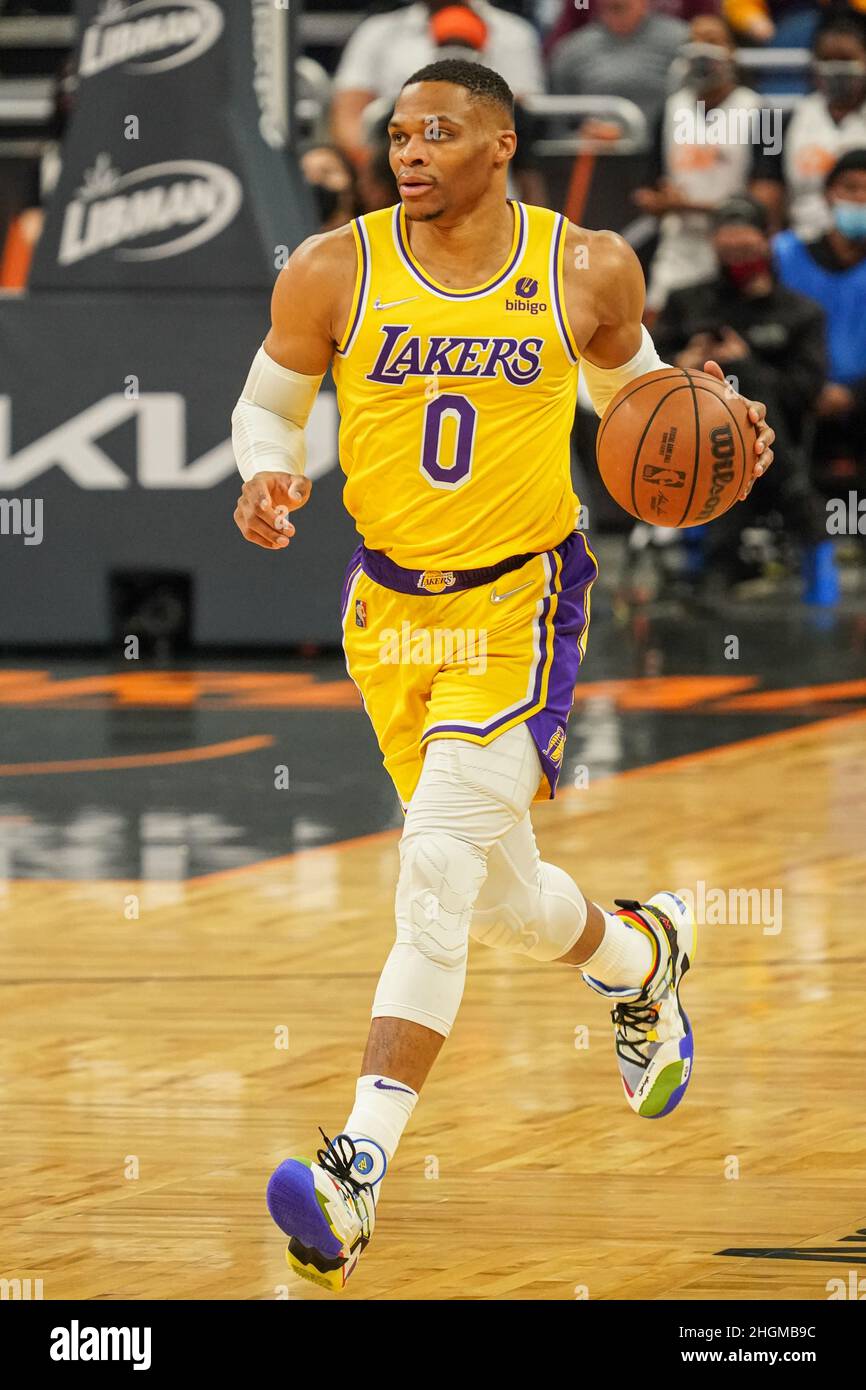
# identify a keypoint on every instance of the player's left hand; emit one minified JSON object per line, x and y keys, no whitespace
{"x":764,"y":434}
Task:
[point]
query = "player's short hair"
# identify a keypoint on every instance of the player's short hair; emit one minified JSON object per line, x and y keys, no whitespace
{"x":482,"y":83}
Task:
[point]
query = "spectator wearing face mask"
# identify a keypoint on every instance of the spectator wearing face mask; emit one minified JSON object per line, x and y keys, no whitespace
{"x":333,"y":183}
{"x":825,"y":124}
{"x":705,"y":155}
{"x":770,"y":339}
{"x":832,"y":271}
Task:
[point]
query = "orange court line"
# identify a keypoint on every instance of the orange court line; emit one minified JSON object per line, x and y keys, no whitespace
{"x":173,"y":689}
{"x":800,"y":695}
{"x":719,"y":749}
{"x":681,"y":761}
{"x":231,"y":749}
{"x":282,"y":690}
{"x":268,"y":690}
{"x":663,"y":692}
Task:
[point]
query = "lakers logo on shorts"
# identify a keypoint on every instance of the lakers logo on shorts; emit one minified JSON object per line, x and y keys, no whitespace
{"x":436,"y":581}
{"x":556,"y":746}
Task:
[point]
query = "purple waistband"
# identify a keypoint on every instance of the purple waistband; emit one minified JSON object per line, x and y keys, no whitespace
{"x":379,"y":568}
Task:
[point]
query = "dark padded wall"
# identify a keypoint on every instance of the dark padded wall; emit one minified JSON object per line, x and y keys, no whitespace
{"x":120,"y":368}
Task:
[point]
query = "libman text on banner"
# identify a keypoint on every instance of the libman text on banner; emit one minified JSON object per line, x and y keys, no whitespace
{"x":174,"y":170}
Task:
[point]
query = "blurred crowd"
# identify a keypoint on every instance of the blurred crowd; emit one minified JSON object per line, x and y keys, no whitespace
{"x":746,"y":203}
{"x":748,"y":209}
{"x":725,"y":139}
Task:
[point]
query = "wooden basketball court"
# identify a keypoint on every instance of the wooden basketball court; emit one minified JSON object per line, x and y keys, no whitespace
{"x":148,"y":1091}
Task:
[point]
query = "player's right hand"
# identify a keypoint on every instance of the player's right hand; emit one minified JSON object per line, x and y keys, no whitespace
{"x":262,"y":512}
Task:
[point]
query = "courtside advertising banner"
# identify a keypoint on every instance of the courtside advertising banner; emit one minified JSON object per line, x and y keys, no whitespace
{"x":174,"y":167}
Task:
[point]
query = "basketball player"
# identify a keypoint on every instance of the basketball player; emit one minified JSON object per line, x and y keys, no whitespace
{"x":455,"y":323}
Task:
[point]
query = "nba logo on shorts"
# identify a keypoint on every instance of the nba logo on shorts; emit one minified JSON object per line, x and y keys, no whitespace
{"x":360,"y":612}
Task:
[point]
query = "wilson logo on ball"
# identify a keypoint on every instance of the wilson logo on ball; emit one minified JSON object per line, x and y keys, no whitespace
{"x":722,"y":449}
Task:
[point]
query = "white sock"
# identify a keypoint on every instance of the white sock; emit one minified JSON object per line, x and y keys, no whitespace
{"x":625,"y":956}
{"x":381,"y":1112}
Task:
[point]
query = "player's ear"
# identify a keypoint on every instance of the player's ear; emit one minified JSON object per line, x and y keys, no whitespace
{"x":506,"y":144}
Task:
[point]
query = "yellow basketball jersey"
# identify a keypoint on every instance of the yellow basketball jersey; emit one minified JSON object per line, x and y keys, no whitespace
{"x":456,"y":406}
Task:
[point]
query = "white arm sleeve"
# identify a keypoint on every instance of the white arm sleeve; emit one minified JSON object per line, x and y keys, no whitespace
{"x":603,"y":383}
{"x":269,"y":419}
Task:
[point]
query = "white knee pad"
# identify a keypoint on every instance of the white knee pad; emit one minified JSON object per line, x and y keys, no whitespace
{"x":526,"y":906}
{"x":468,"y":797}
{"x":440,"y":876}
{"x":424,"y":975}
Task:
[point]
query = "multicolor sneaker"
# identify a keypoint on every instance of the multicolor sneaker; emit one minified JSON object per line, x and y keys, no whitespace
{"x":325,"y":1211}
{"x":652,"y":1034}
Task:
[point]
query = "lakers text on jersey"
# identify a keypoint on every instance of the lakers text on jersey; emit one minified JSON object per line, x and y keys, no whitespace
{"x":466,"y":607}
{"x":456,"y":406}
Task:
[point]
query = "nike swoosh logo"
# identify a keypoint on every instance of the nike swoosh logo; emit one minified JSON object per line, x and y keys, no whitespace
{"x":499,"y":598}
{"x":383,"y":1086}
{"x":392,"y":303}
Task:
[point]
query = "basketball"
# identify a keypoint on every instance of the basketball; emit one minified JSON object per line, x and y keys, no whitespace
{"x":674,"y":447}
{"x":346,"y":707}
